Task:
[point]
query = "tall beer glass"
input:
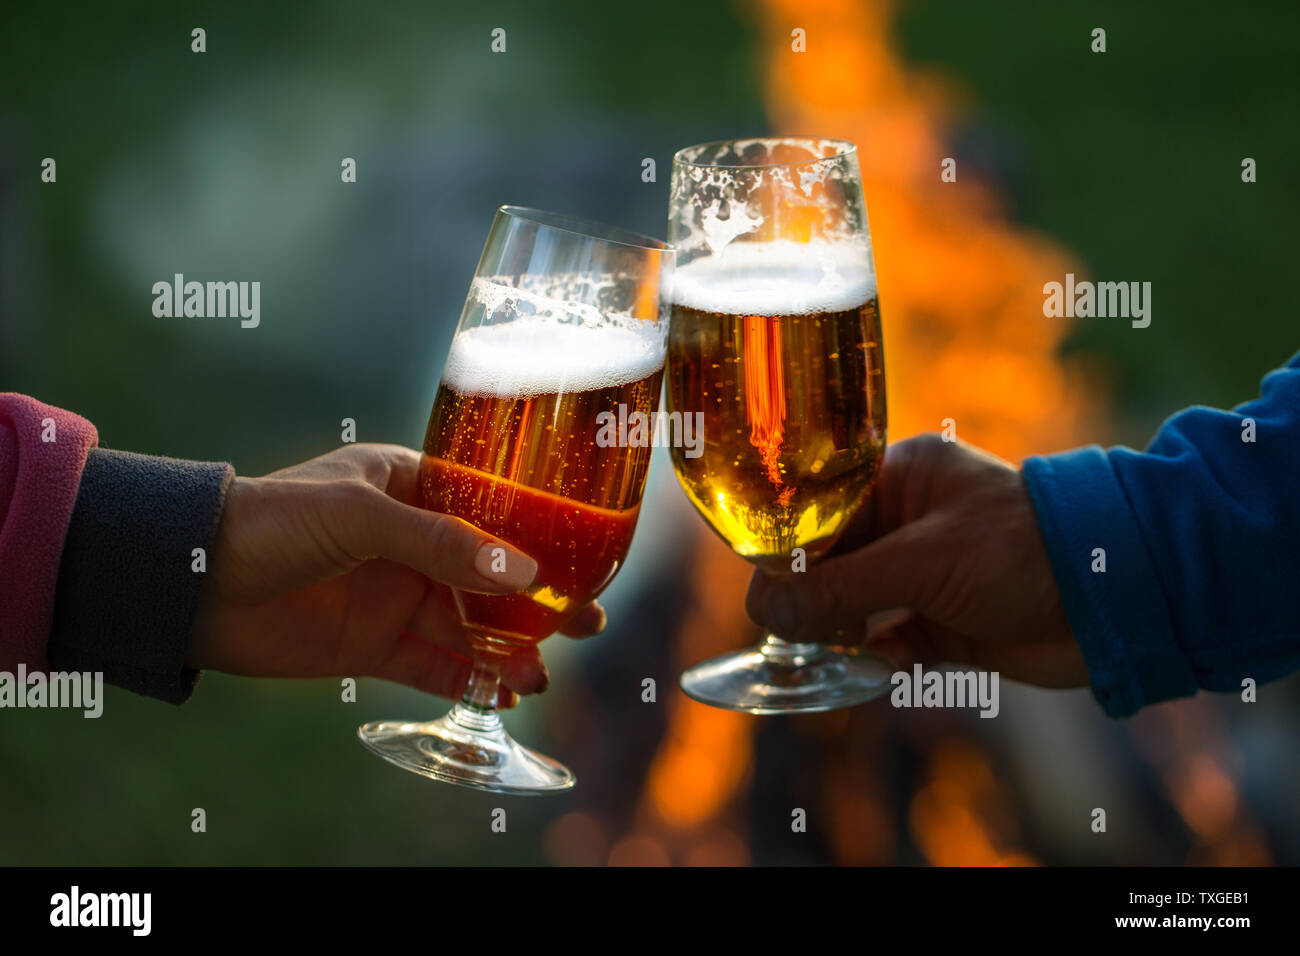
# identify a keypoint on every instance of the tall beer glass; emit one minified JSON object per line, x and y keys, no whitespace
{"x":564,"y":323}
{"x":775,"y":340}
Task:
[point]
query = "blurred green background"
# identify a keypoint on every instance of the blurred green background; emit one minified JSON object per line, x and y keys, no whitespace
{"x":1132,"y":159}
{"x":225,"y":166}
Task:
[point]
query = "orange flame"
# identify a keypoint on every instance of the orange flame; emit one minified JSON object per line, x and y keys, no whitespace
{"x":960,"y":288}
{"x":953,"y":815}
{"x":705,"y":757}
{"x":765,"y":394}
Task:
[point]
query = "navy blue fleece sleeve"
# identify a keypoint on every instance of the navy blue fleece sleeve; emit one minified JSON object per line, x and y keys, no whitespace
{"x":127,"y":592}
{"x":1201,"y":540}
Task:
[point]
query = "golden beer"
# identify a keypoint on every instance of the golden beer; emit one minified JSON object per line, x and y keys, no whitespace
{"x":775,"y":344}
{"x":793,"y":399}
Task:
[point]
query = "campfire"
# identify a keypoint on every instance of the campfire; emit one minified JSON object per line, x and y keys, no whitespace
{"x":967,"y":345}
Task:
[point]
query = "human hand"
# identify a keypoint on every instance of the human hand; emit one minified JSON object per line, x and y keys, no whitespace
{"x":329,"y":568}
{"x":945,"y":562}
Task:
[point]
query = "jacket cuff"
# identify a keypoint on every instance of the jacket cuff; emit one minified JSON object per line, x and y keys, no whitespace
{"x":127,"y":593}
{"x":42,"y":451}
{"x":1119,"y":617}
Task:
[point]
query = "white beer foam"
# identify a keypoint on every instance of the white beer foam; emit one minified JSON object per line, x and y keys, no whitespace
{"x":535,"y":355}
{"x":777,"y":278}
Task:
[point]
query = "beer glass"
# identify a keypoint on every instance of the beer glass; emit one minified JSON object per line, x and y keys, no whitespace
{"x":775,"y":341}
{"x":563,"y":325}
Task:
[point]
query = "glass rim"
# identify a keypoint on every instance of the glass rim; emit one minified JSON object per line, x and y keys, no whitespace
{"x":844,"y":149}
{"x":586,"y":228}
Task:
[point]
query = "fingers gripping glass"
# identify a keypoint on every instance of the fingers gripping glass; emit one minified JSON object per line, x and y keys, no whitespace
{"x":564,"y":322}
{"x":775,"y":341}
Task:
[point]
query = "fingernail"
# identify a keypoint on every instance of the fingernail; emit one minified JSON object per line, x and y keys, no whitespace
{"x":779,"y":603}
{"x":505,"y":566}
{"x":507,"y":699}
{"x":545,"y":682}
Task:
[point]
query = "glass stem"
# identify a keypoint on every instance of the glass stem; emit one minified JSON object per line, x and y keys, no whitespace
{"x":785,"y":654}
{"x":477,"y":710}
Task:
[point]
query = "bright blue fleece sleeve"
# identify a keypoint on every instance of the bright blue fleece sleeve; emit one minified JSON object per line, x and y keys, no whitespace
{"x":1201,"y":534}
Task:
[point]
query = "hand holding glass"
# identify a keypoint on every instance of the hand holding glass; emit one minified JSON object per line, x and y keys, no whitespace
{"x":564,"y":321}
{"x":775,"y":339}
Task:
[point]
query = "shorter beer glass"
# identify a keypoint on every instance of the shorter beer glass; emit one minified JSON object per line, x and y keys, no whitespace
{"x":776,"y":343}
{"x":564,"y":322}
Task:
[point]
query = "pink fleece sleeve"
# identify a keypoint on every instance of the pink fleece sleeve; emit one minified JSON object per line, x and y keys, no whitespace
{"x":42,"y":452}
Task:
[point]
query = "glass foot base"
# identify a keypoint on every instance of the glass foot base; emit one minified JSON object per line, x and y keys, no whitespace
{"x":485,"y":757}
{"x":779,"y":678}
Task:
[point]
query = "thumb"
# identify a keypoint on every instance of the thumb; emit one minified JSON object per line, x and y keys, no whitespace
{"x":833,"y":598}
{"x":366,"y":523}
